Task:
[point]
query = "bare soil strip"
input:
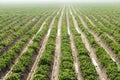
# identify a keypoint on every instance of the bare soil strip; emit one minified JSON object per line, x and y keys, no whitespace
{"x":35,"y":65}
{"x":74,"y":53}
{"x":94,"y":59}
{"x":24,"y":50}
{"x":101,"y":43}
{"x":55,"y":70}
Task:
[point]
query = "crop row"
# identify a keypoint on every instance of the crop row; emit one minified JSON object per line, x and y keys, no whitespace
{"x":112,"y":45}
{"x":99,"y":30}
{"x":113,"y":19}
{"x":67,"y":70}
{"x":46,"y":61}
{"x":16,"y":36}
{"x":23,"y":64}
{"x":13,"y":32}
{"x":104,"y":58}
{"x":109,"y":29}
{"x":8,"y":57}
{"x":8,"y":21}
{"x":86,"y":66}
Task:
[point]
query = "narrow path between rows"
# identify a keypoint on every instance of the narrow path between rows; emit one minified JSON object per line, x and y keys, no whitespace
{"x":55,"y":70}
{"x":74,"y":52}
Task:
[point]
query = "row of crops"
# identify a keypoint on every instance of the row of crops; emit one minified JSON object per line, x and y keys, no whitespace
{"x":31,"y":42}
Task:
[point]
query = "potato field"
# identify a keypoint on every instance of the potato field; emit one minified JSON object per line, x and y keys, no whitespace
{"x":60,"y":42}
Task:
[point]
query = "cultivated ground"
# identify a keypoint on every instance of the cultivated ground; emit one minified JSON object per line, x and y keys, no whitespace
{"x":60,"y":42}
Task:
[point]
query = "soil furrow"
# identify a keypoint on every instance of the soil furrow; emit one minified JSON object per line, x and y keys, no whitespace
{"x":74,"y":53}
{"x":55,"y":70}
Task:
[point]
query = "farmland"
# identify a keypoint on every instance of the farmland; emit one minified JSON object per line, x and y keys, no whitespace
{"x":60,"y":42}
